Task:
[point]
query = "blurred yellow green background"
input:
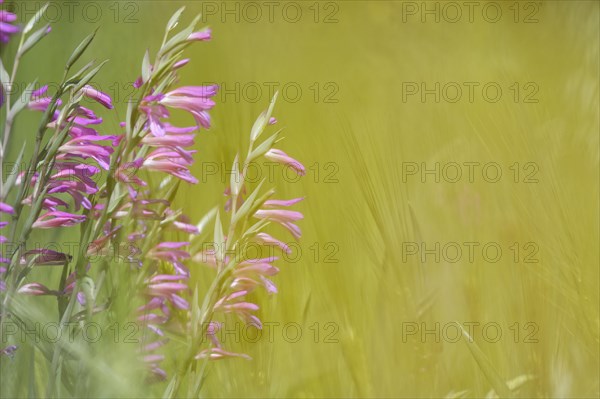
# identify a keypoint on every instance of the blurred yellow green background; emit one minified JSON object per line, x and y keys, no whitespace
{"x":344,"y":69}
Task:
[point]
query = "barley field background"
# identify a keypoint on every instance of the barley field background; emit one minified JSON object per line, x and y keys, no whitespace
{"x":452,"y":180}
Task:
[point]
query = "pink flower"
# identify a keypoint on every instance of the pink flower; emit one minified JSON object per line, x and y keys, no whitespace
{"x":126,"y":173}
{"x":182,"y":223}
{"x":45,"y":257}
{"x":274,"y":203}
{"x":262,"y":268}
{"x":5,"y":208}
{"x":202,"y":35}
{"x":85,"y":147}
{"x":101,"y":98}
{"x":40,"y":103}
{"x":35,"y":289}
{"x":174,"y":161}
{"x":154,"y":112}
{"x":171,"y":252}
{"x":57,"y":219}
{"x":76,"y":180}
{"x":183,"y":140}
{"x":193,"y":99}
{"x":279,"y":215}
{"x":6,"y":29}
{"x":283,"y":158}
{"x":234,"y":303}
{"x":181,"y":64}
{"x":283,"y":217}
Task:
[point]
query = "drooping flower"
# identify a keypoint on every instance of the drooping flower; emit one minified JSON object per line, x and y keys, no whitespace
{"x":45,"y":257}
{"x":234,"y":303}
{"x":35,"y":289}
{"x":141,"y":209}
{"x":175,"y":162}
{"x":169,"y":287}
{"x":193,"y":99}
{"x":279,"y":156}
{"x":40,"y":102}
{"x":85,"y":147}
{"x":283,"y":217}
{"x":247,"y":272}
{"x":171,"y":252}
{"x":57,"y":219}
{"x":181,"y":222}
{"x":98,"y":96}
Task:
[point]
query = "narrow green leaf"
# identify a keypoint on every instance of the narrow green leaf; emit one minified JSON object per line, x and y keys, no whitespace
{"x":219,"y":239}
{"x":263,"y":147}
{"x":174,"y":21}
{"x":12,"y":178}
{"x":256,"y":227}
{"x":128,"y":119}
{"x":116,"y":198}
{"x":36,"y":18}
{"x":235,"y":181}
{"x":195,"y":317}
{"x":259,"y":202}
{"x":146,"y":67}
{"x":262,"y":120}
{"x":172,"y":191}
{"x":169,"y":391}
{"x":22,"y":101}
{"x":206,"y":219}
{"x":88,"y":288}
{"x":4,"y":77}
{"x":197,"y":239}
{"x":247,"y":204}
{"x":486,"y":367}
{"x":258,"y":126}
{"x":76,"y":77}
{"x":34,"y":39}
{"x":80,"y":49}
{"x":181,"y":37}
{"x":88,"y":77}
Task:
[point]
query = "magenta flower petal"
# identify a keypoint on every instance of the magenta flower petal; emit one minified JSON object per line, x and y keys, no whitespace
{"x":279,"y":215}
{"x":96,"y":95}
{"x":202,"y":35}
{"x":57,"y":219}
{"x":5,"y":208}
{"x":180,"y":64}
{"x":273,"y":203}
{"x":283,"y":158}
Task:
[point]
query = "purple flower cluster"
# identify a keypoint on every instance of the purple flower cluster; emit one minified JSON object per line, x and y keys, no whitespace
{"x":106,"y":184}
{"x":6,"y":27}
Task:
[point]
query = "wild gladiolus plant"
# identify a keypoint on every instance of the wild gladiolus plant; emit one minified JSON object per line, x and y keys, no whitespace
{"x":116,"y":189}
